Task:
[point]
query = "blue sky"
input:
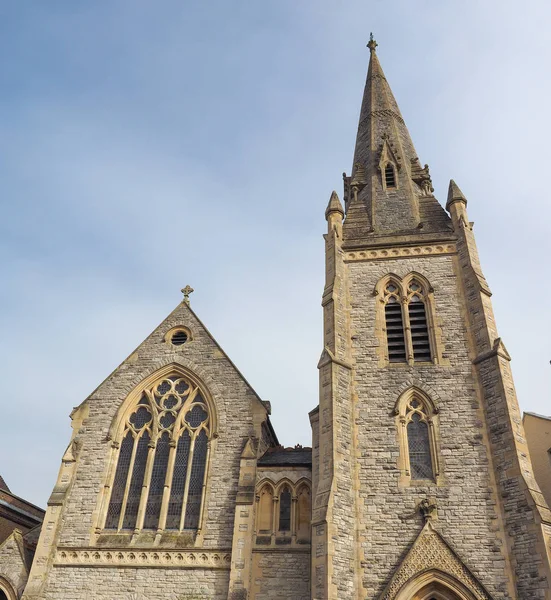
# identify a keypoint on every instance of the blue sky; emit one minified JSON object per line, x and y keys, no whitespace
{"x":147,"y":145}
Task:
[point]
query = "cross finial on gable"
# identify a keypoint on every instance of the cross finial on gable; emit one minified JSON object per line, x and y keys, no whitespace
{"x":187,"y":291}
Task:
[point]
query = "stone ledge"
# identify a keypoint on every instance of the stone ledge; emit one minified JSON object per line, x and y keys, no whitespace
{"x":403,"y":252}
{"x":86,"y":557}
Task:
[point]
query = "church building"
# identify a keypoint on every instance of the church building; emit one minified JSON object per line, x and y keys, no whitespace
{"x":418,"y":485}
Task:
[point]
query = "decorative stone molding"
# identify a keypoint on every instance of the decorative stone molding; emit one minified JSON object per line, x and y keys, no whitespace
{"x":431,"y":551}
{"x":405,"y":252}
{"x":94,"y":557}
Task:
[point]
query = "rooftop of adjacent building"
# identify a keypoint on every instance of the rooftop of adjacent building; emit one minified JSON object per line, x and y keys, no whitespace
{"x":278,"y":456}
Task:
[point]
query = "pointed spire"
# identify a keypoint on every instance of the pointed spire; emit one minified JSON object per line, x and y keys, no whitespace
{"x":389,"y":191}
{"x":334,"y":205}
{"x":454,"y":194}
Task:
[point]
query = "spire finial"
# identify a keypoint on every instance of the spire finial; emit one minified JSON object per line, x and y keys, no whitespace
{"x":372,"y":44}
{"x":187,"y":291}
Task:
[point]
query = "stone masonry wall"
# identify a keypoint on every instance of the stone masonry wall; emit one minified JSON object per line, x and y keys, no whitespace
{"x":137,"y":584}
{"x":467,"y":512}
{"x":281,"y":575}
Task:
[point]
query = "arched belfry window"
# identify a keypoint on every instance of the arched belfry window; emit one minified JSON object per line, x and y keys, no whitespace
{"x":418,"y":322}
{"x":417,"y":429}
{"x":390,"y":176}
{"x":285,"y":509}
{"x":394,"y":323}
{"x":162,"y":459}
{"x":408,"y":318}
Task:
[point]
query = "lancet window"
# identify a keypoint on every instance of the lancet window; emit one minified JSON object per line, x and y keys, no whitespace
{"x":418,"y":423}
{"x":159,"y":479}
{"x":406,"y":318}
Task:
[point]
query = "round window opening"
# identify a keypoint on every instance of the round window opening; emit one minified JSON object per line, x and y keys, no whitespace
{"x":179,"y":338}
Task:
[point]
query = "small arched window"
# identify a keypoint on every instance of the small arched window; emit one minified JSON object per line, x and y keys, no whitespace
{"x":285,"y":509}
{"x":417,"y":423}
{"x":390,"y":176}
{"x":161,"y":464}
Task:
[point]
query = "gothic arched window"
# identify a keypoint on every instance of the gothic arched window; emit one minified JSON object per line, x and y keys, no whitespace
{"x":417,"y":418}
{"x":162,"y":459}
{"x":285,"y":509}
{"x":408,"y":319}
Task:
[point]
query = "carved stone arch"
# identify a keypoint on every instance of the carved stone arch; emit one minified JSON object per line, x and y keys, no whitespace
{"x":423,"y":396}
{"x":431,"y":561}
{"x":8,"y":589}
{"x":384,"y":281}
{"x":265,"y":482}
{"x":285,"y":481}
{"x":424,"y":388}
{"x":436,"y":584}
{"x":135,"y":394}
{"x":303,"y":481}
{"x":422,"y":279}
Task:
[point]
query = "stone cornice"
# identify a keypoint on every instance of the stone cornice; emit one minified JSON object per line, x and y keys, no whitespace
{"x":400,"y":252}
{"x":113,"y":557}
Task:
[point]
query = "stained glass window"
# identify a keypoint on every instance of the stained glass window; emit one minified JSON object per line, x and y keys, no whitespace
{"x":420,"y":461}
{"x":170,"y":425}
{"x":196,"y":481}
{"x":285,"y":509}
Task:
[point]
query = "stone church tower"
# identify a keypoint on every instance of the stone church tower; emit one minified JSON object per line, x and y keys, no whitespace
{"x":422,"y":483}
{"x":418,"y":485}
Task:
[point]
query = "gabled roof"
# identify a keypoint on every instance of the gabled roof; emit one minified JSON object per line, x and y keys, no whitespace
{"x":3,"y":484}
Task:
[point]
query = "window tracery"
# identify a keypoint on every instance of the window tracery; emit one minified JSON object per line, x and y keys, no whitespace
{"x":162,"y":459}
{"x":408,"y":320}
{"x":417,"y":421}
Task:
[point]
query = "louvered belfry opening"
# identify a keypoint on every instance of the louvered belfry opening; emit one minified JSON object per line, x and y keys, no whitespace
{"x":394,"y":325}
{"x":418,"y":324}
{"x":390,"y":176}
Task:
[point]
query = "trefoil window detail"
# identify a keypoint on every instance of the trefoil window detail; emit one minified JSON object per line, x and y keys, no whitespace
{"x":160,"y":476}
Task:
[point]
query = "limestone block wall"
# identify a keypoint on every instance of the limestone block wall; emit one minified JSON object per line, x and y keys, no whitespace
{"x":281,"y":575}
{"x":468,"y":510}
{"x":137,"y":584}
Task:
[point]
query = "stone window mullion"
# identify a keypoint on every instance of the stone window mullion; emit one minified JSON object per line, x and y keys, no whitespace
{"x":204,"y":488}
{"x":128,"y":481}
{"x":168,"y":484}
{"x":188,"y":477}
{"x":407,"y":330}
{"x":146,"y":483}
